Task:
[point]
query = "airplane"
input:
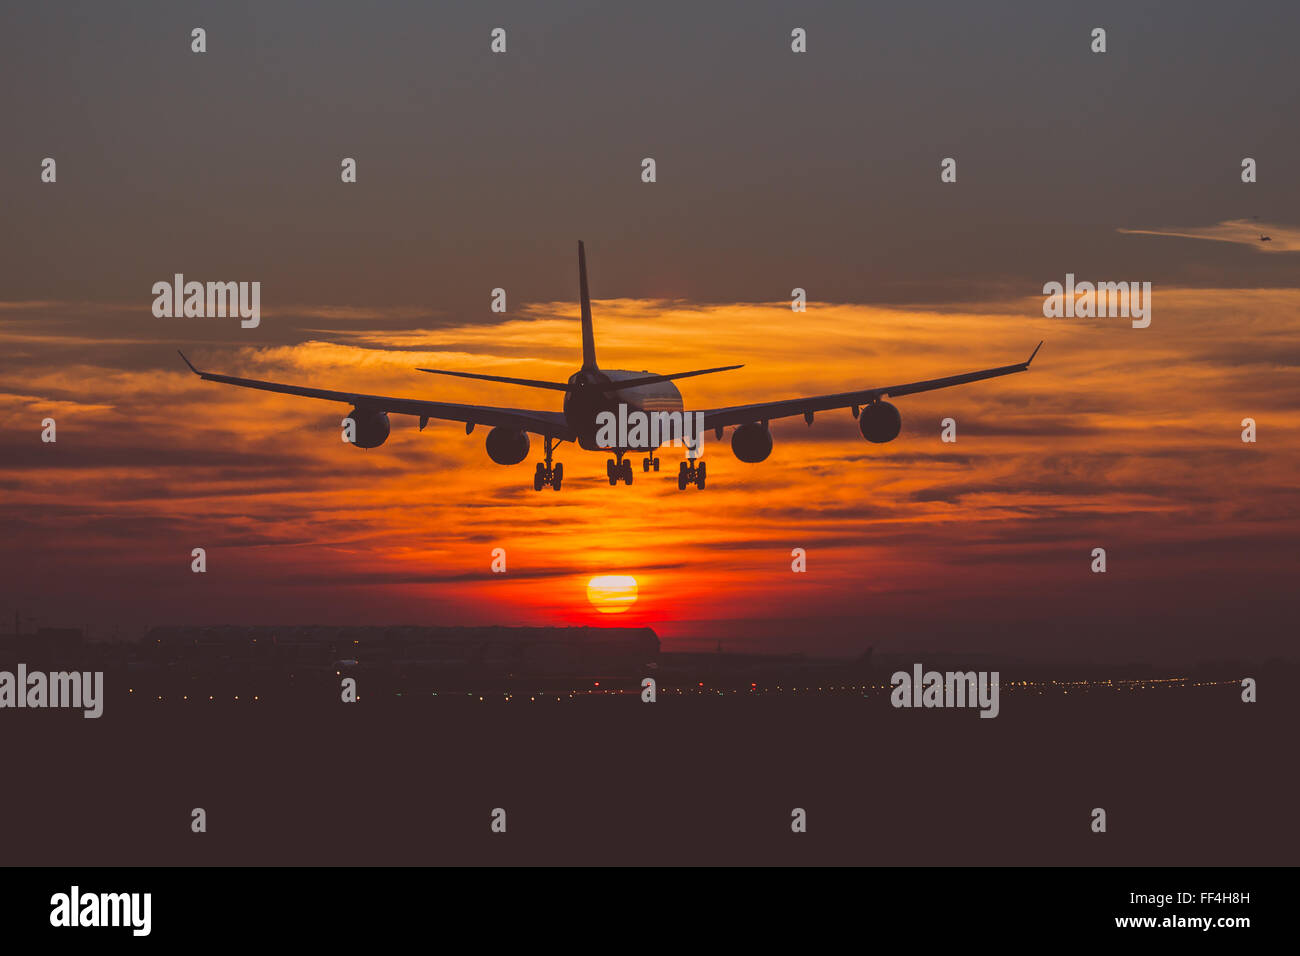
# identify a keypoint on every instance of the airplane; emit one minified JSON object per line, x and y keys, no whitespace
{"x":1264,"y":238}
{"x":591,"y":391}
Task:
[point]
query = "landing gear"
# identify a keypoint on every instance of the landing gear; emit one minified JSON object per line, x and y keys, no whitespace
{"x":548,"y":474}
{"x":619,"y":470}
{"x":690,"y":473}
{"x":649,"y":463}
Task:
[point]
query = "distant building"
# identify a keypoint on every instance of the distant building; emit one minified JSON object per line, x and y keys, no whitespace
{"x":512,"y":651}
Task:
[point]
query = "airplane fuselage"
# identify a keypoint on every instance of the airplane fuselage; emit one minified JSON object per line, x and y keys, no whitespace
{"x":586,"y":401}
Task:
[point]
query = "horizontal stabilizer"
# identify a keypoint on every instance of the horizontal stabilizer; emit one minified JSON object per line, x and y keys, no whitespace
{"x":652,"y":379}
{"x":565,"y":387}
{"x":530,"y":382}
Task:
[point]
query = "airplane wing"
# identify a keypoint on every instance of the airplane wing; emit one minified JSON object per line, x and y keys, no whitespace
{"x":537,"y":422}
{"x":718,"y":418}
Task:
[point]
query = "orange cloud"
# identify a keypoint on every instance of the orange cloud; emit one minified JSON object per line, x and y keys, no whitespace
{"x":1119,"y":435}
{"x":1245,"y":232}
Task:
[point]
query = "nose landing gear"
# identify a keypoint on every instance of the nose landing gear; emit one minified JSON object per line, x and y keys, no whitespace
{"x":648,"y":463}
{"x":619,"y":470}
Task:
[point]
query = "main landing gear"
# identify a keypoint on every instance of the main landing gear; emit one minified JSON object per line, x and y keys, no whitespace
{"x":690,"y":473}
{"x":548,"y":474}
{"x":619,"y":470}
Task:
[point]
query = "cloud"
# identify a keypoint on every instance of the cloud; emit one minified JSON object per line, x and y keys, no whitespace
{"x":1118,"y":437}
{"x":1244,"y":232}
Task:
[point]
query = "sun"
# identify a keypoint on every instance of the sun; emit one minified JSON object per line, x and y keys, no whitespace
{"x":612,"y":593}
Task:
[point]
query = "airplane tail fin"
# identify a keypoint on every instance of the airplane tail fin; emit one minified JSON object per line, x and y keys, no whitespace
{"x":588,"y":354}
{"x":588,"y":337}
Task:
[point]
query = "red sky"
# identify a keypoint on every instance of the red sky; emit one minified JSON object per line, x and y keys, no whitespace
{"x":1118,"y":438}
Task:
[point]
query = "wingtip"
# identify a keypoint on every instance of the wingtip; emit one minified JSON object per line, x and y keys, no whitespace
{"x":1033,"y":353}
{"x":188,"y":362}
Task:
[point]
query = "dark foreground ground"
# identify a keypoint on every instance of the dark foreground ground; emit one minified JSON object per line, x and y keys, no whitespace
{"x":1187,"y":776}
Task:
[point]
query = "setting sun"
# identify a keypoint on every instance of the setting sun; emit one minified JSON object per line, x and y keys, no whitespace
{"x":612,"y":593}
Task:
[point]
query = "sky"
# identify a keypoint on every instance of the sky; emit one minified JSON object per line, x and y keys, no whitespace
{"x":775,"y":170}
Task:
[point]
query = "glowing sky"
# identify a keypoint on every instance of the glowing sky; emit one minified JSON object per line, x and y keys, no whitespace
{"x":775,"y":170}
{"x":1121,"y":438}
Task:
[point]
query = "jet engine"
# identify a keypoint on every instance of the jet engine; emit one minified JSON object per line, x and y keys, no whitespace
{"x":507,"y":446}
{"x":880,"y":422}
{"x":751,"y":442}
{"x":371,"y":427}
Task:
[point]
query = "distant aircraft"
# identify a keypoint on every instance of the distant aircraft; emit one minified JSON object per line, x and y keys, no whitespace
{"x":1265,"y":238}
{"x":591,"y":391}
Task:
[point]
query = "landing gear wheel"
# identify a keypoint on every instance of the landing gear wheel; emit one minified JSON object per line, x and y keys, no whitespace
{"x":690,"y":473}
{"x":619,"y":470}
{"x":655,"y":463}
{"x":645,"y":464}
{"x":548,"y":473}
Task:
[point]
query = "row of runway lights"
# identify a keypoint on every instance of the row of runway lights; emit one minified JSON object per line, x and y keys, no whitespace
{"x":1038,"y":687}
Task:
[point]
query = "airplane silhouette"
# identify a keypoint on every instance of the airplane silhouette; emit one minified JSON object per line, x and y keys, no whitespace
{"x":592,"y":391}
{"x":1263,"y":238}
